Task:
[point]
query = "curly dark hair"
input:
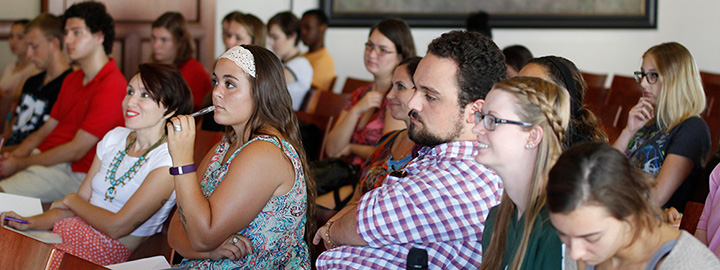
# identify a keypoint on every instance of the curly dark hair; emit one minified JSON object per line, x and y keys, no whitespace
{"x":320,"y":16}
{"x":480,"y":62}
{"x":96,"y":19}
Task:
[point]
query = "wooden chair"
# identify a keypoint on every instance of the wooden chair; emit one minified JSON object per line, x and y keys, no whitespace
{"x":691,"y":216}
{"x":310,"y":100}
{"x":596,"y":92}
{"x":327,"y":103}
{"x":324,"y":123}
{"x":609,"y":118}
{"x":204,"y":141}
{"x":157,"y":244}
{"x":353,"y":83}
{"x":709,"y":78}
{"x":22,"y":252}
{"x":331,"y":86}
{"x":624,"y":92}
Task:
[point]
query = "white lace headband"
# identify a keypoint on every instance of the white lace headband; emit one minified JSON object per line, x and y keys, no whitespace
{"x":242,"y":57}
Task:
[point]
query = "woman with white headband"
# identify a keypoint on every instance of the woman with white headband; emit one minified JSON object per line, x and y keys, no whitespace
{"x":251,"y":213}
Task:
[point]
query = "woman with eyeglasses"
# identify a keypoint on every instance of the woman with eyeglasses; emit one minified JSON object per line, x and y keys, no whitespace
{"x":665,"y":136}
{"x":365,"y":117}
{"x":522,"y":124}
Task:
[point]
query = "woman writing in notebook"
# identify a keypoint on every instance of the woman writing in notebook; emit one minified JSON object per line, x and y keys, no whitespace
{"x":128,"y":192}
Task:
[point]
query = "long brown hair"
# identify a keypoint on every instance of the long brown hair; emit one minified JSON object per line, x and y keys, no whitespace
{"x":175,"y":23}
{"x":272,"y":106}
{"x":546,"y":105}
{"x":397,"y":31}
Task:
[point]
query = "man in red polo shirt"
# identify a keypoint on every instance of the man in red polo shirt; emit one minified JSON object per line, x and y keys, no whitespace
{"x":53,"y":161}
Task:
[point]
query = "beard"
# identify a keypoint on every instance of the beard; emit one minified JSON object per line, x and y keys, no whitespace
{"x":423,"y":136}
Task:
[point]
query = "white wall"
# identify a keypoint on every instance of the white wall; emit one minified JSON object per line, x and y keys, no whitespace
{"x":690,"y":22}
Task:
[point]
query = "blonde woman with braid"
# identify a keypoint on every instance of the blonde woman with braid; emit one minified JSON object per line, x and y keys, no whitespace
{"x":521,"y":128}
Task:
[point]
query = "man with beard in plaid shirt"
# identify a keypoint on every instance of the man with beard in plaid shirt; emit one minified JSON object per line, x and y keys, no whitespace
{"x":439,"y":202}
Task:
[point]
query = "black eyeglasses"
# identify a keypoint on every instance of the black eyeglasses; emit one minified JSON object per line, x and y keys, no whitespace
{"x":651,"y":77}
{"x":490,"y":122}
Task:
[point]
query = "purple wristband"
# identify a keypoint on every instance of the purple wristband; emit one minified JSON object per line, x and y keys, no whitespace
{"x":183,"y":169}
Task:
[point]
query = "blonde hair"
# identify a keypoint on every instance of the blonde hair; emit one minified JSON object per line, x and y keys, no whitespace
{"x":546,"y":105}
{"x":681,"y":95}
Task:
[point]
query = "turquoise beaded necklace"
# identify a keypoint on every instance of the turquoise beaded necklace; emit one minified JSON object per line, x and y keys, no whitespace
{"x":112,"y":170}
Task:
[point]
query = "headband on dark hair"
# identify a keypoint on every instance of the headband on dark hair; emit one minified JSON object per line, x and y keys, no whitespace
{"x":567,"y":78}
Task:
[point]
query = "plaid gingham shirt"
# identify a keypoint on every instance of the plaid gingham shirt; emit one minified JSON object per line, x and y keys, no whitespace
{"x":440,"y":206}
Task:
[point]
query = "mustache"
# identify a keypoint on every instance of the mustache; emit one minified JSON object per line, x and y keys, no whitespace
{"x":414,"y":114}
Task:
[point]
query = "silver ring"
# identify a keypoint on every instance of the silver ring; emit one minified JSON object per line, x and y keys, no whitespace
{"x":235,"y":240}
{"x":178,"y":128}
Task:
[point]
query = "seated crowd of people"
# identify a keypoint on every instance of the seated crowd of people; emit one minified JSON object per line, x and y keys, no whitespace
{"x":467,"y":157}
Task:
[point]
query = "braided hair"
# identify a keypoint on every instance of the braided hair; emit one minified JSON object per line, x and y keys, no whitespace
{"x":546,"y":105}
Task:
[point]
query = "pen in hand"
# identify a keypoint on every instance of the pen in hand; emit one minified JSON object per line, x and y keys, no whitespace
{"x":17,"y":220}
{"x":203,"y":111}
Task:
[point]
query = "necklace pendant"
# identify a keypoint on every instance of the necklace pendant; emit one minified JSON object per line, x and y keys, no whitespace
{"x":110,"y":193}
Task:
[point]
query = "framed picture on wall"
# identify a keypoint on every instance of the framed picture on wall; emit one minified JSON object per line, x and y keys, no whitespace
{"x":503,"y":13}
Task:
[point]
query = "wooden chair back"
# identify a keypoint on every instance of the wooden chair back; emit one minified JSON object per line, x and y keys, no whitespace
{"x":324,"y":123}
{"x":157,"y":244}
{"x":624,"y":92}
{"x":328,"y":103}
{"x":711,"y":115}
{"x":353,"y":83}
{"x":691,"y":216}
{"x":596,"y":92}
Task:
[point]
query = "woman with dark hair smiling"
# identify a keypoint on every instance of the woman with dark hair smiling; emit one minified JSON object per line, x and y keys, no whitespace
{"x":128,"y":192}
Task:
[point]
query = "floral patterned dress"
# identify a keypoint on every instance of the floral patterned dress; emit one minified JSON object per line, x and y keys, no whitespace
{"x":277,"y":233}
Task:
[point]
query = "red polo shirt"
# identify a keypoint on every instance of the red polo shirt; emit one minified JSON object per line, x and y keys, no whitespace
{"x":95,"y":108}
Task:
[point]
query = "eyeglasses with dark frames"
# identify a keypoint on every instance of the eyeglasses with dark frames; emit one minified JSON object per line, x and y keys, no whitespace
{"x":490,"y":121}
{"x":651,"y":77}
